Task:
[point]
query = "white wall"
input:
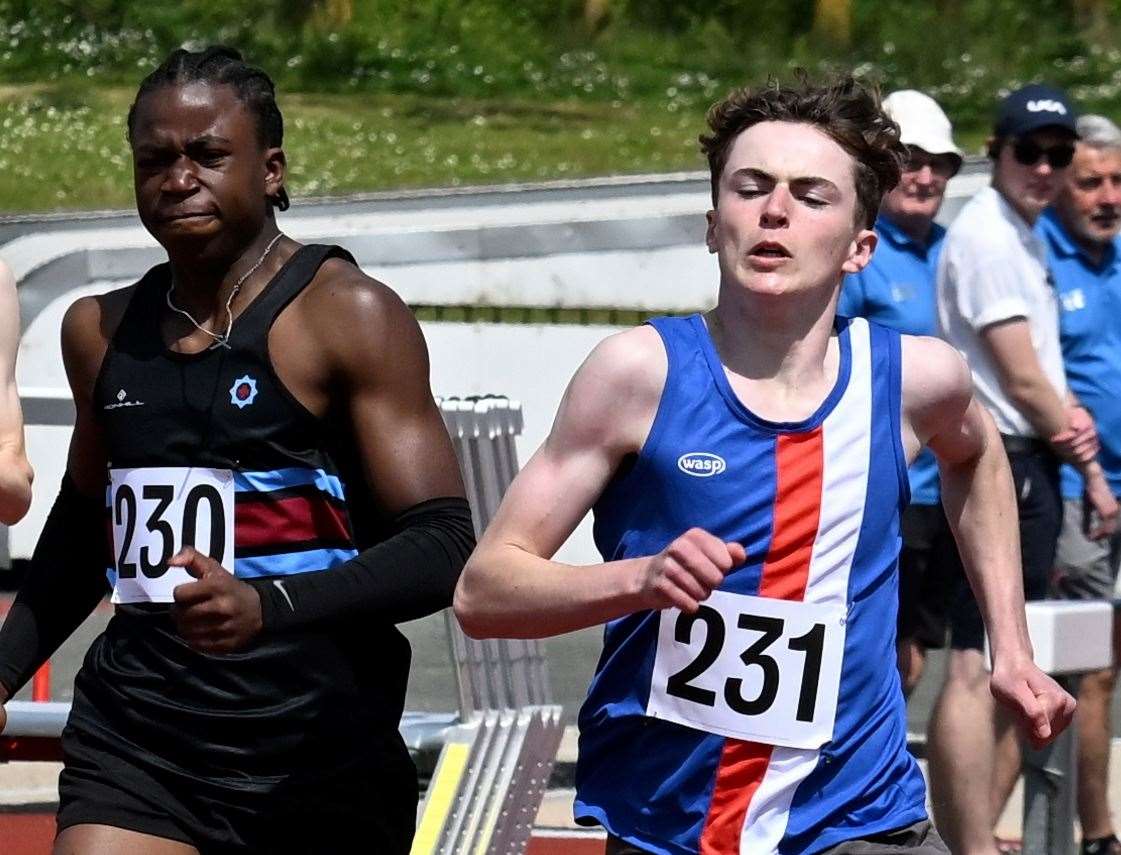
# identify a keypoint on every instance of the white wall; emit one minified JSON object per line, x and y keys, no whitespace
{"x":529,"y":363}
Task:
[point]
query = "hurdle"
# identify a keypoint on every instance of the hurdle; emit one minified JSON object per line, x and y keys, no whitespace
{"x":494,"y":767}
{"x":1068,"y":638}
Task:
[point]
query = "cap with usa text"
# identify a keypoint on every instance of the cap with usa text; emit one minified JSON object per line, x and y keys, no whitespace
{"x":1033,"y":107}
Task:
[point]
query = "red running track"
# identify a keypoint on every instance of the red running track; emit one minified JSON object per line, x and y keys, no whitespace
{"x":32,"y":833}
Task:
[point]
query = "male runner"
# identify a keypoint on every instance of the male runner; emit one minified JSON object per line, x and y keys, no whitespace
{"x":15,"y":471}
{"x":747,"y":469}
{"x":1081,"y":235}
{"x":258,"y":415}
{"x":897,"y":289}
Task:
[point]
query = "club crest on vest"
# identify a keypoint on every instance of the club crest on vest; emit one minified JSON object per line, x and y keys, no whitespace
{"x":243,"y":392}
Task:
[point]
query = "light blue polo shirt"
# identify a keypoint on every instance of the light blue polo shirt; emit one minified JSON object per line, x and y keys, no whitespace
{"x":1090,"y":334}
{"x":897,"y":289}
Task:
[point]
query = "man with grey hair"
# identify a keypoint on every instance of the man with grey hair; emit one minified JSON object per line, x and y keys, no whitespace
{"x":1081,"y":235}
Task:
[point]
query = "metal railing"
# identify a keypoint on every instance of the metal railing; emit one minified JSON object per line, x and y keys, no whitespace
{"x":494,"y":767}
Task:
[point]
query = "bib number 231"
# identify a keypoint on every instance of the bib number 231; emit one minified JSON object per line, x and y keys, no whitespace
{"x":752,"y":668}
{"x":156,"y":511}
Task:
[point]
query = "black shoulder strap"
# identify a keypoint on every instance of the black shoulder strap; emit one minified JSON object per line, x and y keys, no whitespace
{"x":138,"y":333}
{"x":290,"y":281}
{"x":138,"y":330}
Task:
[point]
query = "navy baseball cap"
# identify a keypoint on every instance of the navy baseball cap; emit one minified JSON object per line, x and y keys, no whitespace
{"x":1032,"y":107}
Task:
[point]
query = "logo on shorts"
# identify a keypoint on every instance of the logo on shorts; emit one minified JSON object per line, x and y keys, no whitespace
{"x":243,"y":392}
{"x":122,"y":401}
{"x":701,"y":464}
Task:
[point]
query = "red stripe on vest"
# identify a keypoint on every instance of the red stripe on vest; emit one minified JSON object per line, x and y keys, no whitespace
{"x":293,"y":520}
{"x":799,"y":464}
{"x":786,"y":570}
{"x":741,"y":770}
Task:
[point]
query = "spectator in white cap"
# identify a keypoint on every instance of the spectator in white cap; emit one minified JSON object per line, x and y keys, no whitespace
{"x":897,"y":289}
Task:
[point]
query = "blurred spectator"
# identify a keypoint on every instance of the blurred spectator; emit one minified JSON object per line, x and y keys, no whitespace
{"x":897,"y":290}
{"x":996,"y":304}
{"x":1080,"y":233}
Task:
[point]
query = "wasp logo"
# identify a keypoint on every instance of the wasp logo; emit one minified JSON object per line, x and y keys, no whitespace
{"x":701,"y":464}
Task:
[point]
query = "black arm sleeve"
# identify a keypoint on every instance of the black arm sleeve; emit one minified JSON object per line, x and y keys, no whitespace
{"x":409,"y":575}
{"x":64,"y":584}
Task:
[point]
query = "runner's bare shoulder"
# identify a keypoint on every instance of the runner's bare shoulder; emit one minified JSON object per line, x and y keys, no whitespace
{"x":937,"y":385}
{"x":87,"y":328}
{"x":613,"y":397}
{"x":359,"y":317}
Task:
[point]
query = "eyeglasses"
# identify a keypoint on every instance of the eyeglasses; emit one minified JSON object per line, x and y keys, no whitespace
{"x":1028,"y":152}
{"x":942,"y":165}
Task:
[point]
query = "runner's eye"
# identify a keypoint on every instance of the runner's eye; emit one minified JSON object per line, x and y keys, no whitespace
{"x":152,"y":161}
{"x":211,"y":158}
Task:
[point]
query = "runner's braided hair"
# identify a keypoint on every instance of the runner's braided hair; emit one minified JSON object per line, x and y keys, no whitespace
{"x":846,"y":110}
{"x":219,"y":65}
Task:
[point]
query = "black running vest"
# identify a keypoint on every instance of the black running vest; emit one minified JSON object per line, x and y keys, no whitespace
{"x":315,"y":710}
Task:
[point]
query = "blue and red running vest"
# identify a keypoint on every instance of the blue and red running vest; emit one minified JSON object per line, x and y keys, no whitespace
{"x":816,"y":504}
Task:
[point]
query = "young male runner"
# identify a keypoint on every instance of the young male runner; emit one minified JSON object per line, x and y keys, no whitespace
{"x":747,"y":470}
{"x":15,"y":471}
{"x":281,"y":492}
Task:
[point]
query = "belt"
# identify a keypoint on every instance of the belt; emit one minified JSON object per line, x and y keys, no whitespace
{"x":1025,"y":445}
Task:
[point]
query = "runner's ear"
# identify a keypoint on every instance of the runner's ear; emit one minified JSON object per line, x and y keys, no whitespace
{"x":860,"y":251}
{"x":710,"y":231}
{"x":276,"y":169}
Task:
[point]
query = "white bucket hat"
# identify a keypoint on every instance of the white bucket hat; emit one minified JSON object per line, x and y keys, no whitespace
{"x":921,"y":122}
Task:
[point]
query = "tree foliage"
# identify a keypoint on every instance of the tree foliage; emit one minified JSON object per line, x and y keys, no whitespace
{"x":963,"y":51}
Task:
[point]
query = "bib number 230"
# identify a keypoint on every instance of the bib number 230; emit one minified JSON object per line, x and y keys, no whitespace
{"x":157,"y":511}
{"x":751,"y":668}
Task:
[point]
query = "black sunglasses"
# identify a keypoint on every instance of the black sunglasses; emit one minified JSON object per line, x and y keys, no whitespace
{"x":1028,"y":152}
{"x":942,"y":165}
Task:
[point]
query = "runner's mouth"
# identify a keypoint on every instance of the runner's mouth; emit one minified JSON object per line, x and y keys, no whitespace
{"x":185,"y":215}
{"x":770,"y":249}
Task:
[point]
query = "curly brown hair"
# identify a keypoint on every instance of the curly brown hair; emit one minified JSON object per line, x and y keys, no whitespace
{"x":845,"y":110}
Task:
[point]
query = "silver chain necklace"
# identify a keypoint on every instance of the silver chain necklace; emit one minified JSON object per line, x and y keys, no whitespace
{"x":223,"y":339}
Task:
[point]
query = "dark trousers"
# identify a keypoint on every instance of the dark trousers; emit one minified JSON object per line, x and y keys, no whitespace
{"x":1039,"y":504}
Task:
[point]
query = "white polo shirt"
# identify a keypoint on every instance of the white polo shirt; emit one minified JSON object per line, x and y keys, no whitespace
{"x":994,"y":268}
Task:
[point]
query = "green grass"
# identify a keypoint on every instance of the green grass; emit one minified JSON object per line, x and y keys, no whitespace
{"x":64,"y":148}
{"x":416,"y":93}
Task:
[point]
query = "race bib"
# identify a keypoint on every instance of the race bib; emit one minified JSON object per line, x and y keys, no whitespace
{"x":752,"y":668}
{"x":156,"y":511}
